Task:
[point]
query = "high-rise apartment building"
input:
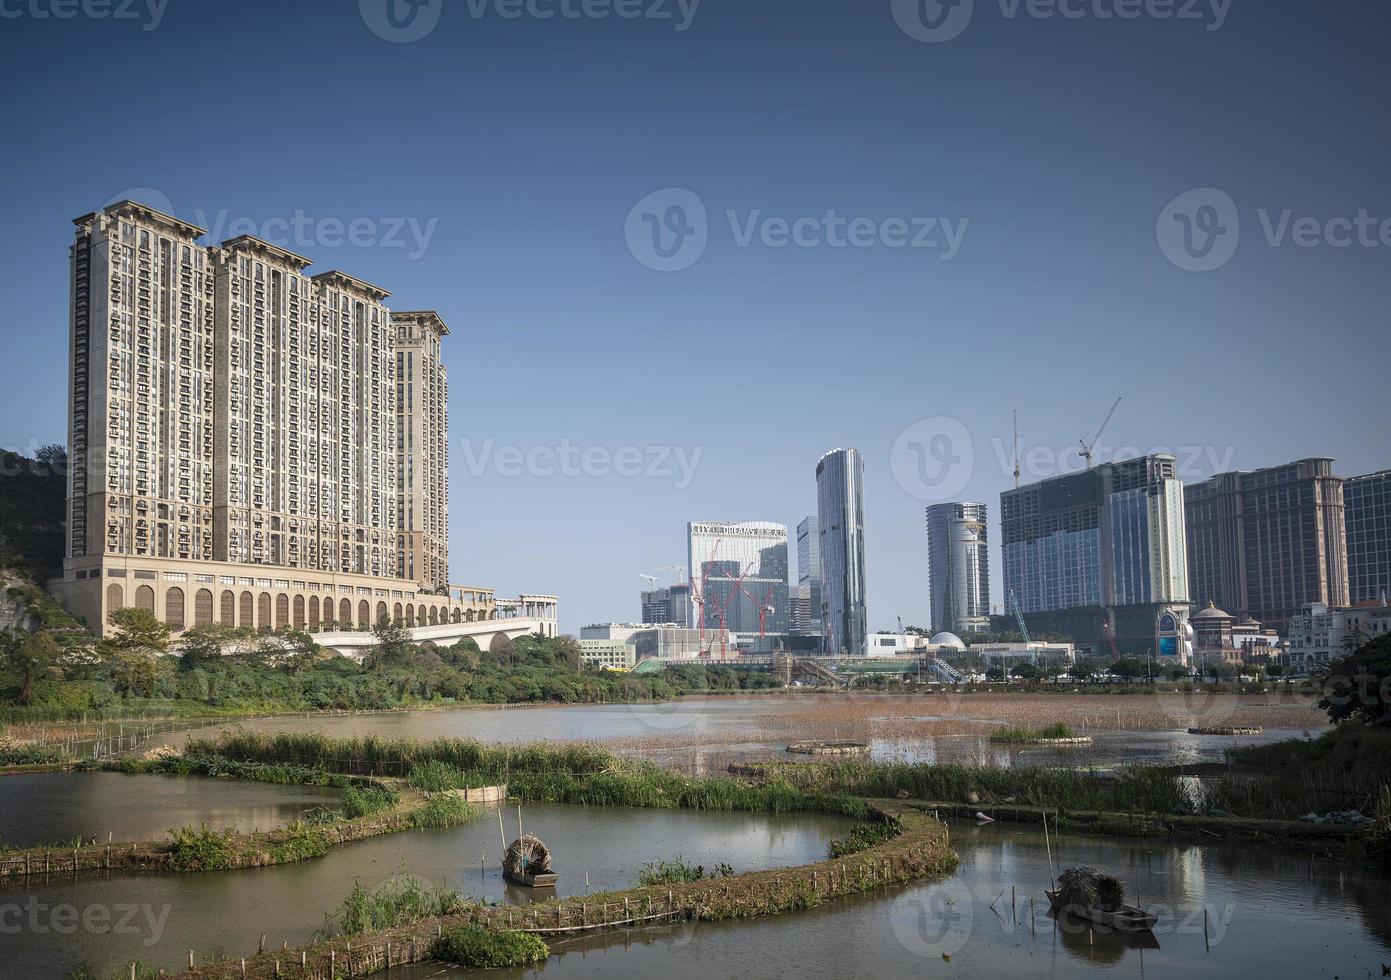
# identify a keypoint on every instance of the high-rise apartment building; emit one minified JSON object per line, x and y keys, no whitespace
{"x":422,"y":440}
{"x":958,"y":567}
{"x":738,"y":575}
{"x":1367,"y":516}
{"x":840,"y":519}
{"x":807,"y":604}
{"x":1098,"y":555}
{"x":1266,"y":543}
{"x":250,"y":444}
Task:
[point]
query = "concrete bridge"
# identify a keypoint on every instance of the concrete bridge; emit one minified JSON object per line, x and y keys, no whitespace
{"x":356,"y":644}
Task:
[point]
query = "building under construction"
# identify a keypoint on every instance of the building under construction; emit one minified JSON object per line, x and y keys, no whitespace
{"x":1098,"y":555}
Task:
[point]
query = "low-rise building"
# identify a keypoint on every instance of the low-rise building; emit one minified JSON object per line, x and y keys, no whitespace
{"x":612,"y":654}
{"x":1320,"y":635}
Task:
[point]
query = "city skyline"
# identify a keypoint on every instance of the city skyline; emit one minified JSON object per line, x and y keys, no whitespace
{"x":1083,"y":279}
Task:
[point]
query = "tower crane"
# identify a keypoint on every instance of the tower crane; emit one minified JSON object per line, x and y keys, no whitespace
{"x":1086,"y":445}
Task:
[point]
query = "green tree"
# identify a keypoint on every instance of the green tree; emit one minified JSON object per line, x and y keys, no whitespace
{"x":138,"y":629}
{"x":1358,"y":688}
{"x":394,"y":646}
{"x":1081,"y":671}
{"x":30,"y":656}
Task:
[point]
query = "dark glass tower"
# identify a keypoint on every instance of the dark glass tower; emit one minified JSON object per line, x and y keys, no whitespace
{"x":840,"y":518}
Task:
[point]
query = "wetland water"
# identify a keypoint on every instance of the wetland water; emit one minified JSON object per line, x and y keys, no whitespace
{"x":704,"y":735}
{"x":57,"y":807}
{"x":225,"y":912}
{"x":1270,"y":914}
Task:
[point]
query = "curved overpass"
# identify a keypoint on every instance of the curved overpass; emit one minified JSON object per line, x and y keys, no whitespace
{"x":484,"y":632}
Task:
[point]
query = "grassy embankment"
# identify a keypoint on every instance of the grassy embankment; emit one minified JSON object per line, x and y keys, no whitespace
{"x":918,"y":850}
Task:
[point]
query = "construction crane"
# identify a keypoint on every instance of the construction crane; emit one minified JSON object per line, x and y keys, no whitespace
{"x":650,"y":578}
{"x":1088,"y":446}
{"x":1016,"y":449}
{"x":1019,"y":616}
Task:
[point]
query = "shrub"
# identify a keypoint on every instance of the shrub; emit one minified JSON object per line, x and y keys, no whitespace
{"x":442,"y":810}
{"x":677,"y":872}
{"x":863,"y":836}
{"x":476,"y":948}
{"x":398,"y":900}
{"x":201,"y":849}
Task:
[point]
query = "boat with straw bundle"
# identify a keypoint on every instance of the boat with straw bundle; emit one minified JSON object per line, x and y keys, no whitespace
{"x":527,"y":860}
{"x":1086,"y":893}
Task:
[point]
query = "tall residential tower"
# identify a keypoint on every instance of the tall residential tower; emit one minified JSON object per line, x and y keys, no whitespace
{"x":958,"y":568}
{"x":250,"y":444}
{"x":1267,"y":542}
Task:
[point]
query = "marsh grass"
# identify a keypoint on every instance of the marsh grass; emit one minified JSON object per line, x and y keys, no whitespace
{"x":442,"y":810}
{"x":1023,"y":733}
{"x":477,"y":948}
{"x":398,"y":900}
{"x":677,"y":871}
{"x":201,"y":849}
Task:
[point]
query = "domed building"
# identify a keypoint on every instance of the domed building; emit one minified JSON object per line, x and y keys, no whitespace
{"x":947,"y":640}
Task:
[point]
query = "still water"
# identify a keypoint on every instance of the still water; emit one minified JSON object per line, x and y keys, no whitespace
{"x":57,"y":807}
{"x":162,"y":917}
{"x":1269,"y":915}
{"x":704,"y":735}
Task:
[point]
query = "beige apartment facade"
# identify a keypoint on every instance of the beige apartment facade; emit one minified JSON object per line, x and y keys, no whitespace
{"x":250,"y":444}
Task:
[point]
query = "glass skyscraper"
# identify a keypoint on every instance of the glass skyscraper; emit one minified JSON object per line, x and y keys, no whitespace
{"x":809,"y":575}
{"x":1367,"y":516}
{"x":840,"y":484}
{"x":738,"y":575}
{"x":958,"y":567}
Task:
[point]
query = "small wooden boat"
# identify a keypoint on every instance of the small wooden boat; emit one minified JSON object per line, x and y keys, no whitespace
{"x":546,"y":880}
{"x":528,"y":862}
{"x":1126,"y":918}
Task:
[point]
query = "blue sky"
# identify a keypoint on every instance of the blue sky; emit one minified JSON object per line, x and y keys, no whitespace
{"x":489,"y":168}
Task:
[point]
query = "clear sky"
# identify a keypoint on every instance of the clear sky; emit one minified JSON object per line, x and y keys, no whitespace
{"x":520,"y":148}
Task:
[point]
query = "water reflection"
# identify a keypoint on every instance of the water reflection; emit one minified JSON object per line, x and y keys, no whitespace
{"x":58,"y":807}
{"x":224,"y":913}
{"x":1269,"y":914}
{"x":706,"y":735}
